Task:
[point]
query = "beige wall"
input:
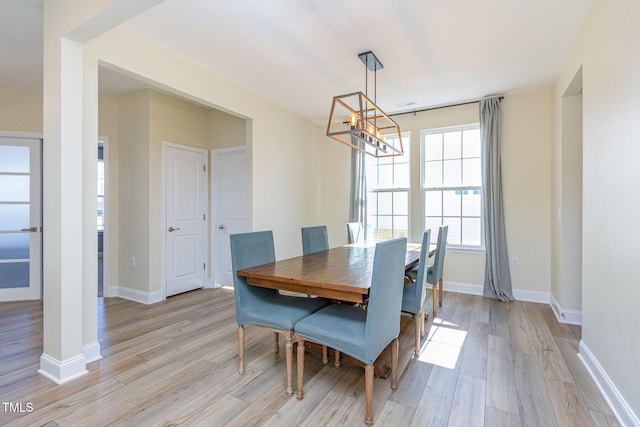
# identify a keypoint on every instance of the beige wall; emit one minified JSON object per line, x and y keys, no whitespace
{"x":133,"y":216}
{"x":20,"y":110}
{"x":226,"y":130}
{"x":607,"y":50}
{"x":526,"y":169}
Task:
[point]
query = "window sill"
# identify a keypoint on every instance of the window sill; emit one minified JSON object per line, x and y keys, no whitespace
{"x":475,"y":251}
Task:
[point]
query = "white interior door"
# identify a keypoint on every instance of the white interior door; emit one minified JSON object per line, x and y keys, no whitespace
{"x":20,"y":219}
{"x":229,"y":204}
{"x":186,"y":195}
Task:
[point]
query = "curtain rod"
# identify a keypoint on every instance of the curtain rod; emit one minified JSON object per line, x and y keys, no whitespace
{"x":500,"y":98}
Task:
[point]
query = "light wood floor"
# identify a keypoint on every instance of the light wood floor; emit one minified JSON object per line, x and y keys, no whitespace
{"x":175,"y":363}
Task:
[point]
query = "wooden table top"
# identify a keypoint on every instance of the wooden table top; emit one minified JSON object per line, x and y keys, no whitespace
{"x":342,"y":273}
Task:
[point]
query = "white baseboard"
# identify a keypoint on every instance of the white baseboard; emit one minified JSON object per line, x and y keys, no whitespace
{"x":474,"y":289}
{"x":91,"y":352}
{"x":618,"y":405}
{"x":572,"y":317}
{"x":62,"y":372}
{"x":139,"y":296}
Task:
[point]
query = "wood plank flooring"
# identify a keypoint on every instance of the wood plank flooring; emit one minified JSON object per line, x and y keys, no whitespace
{"x":483,"y":363}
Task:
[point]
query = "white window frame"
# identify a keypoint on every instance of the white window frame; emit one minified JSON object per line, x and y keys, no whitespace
{"x":406,"y":136}
{"x":424,"y":189}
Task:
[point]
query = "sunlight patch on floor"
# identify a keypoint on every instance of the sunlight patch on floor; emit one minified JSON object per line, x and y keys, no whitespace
{"x":443,"y":344}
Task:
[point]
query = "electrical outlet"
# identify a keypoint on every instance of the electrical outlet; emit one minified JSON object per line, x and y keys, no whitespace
{"x":133,"y":261}
{"x":515,"y":262}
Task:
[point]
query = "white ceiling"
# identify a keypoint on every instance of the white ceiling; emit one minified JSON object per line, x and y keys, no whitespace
{"x":300,"y":53}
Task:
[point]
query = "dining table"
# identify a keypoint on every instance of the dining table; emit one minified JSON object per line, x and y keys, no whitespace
{"x":341,"y":273}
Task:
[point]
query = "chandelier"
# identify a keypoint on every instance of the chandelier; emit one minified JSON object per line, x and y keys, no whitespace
{"x":357,"y":121}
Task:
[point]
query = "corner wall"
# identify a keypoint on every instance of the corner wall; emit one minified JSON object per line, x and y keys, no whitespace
{"x":607,"y":50}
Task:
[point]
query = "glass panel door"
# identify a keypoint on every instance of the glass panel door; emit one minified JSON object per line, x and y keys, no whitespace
{"x":20,"y":219}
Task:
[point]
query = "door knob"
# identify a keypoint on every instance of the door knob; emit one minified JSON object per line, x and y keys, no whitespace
{"x":171,"y":229}
{"x":222,"y":227}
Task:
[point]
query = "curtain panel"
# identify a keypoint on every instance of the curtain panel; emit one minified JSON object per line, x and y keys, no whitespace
{"x":497,"y":282}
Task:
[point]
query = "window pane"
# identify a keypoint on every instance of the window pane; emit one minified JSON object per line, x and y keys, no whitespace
{"x":385,"y":176}
{"x":372,"y":204}
{"x":433,"y":224}
{"x":451,"y":203}
{"x":471,"y":172}
{"x":433,"y":147}
{"x":14,"y":159}
{"x":452,"y":145}
{"x":452,"y":173}
{"x":471,"y":228}
{"x":14,"y":275}
{"x":100,"y":180}
{"x":385,"y":203}
{"x":433,"y":174}
{"x":385,"y":227}
{"x":471,"y":143}
{"x":14,"y":217}
{"x":400,"y":226}
{"x":14,"y":246}
{"x":372,"y":177}
{"x":472,"y":203}
{"x":400,"y":203}
{"x":402,"y":177}
{"x":453,"y":235}
{"x":433,"y":203}
{"x":14,"y":188}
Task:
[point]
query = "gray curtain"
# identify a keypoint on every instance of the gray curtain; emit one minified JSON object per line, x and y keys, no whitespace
{"x":497,"y":279}
{"x":358,"y":199}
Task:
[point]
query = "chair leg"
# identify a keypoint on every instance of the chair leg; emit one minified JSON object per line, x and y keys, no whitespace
{"x":440,"y":299}
{"x":275,"y":342}
{"x":300,"y":367}
{"x":241,"y":349}
{"x":434,"y":298}
{"x":325,"y":354}
{"x":422,"y":321}
{"x":418,"y":328}
{"x":289,"y":359}
{"x":368,"y":393}
{"x":395,"y":345}
{"x":336,"y":358}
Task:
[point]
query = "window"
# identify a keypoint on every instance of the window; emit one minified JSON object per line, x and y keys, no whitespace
{"x":388,"y":183}
{"x":100,"y":187}
{"x":452,"y":184}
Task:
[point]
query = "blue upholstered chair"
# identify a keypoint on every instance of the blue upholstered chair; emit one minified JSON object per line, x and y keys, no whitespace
{"x":436,"y":270}
{"x":363,"y":334}
{"x":354,"y":232}
{"x":314,"y":239}
{"x":261,"y":306}
{"x":413,"y":295}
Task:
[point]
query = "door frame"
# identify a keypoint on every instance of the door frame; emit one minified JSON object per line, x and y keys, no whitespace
{"x":33,"y":295}
{"x":163,"y":211}
{"x":216,"y":155}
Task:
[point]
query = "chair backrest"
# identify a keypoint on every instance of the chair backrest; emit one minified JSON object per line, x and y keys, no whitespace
{"x":314,"y":239}
{"x":354,"y":231}
{"x":249,"y":250}
{"x":385,"y":296}
{"x":438,"y":261}
{"x":414,"y":293}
